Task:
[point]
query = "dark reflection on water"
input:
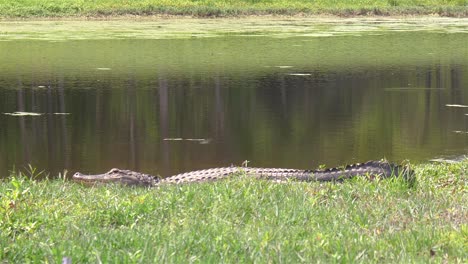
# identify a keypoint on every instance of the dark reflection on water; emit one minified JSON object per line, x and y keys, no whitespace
{"x":316,"y":112}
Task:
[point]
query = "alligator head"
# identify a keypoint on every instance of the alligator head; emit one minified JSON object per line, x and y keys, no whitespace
{"x":125,"y":177}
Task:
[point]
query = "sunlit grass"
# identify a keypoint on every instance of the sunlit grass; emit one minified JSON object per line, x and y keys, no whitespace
{"x":43,"y":8}
{"x":239,"y":219}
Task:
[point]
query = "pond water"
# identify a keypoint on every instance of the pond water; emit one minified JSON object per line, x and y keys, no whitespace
{"x":168,"y":96}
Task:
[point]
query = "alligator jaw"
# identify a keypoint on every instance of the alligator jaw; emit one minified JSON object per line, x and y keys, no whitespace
{"x":125,"y":177}
{"x":97,"y":178}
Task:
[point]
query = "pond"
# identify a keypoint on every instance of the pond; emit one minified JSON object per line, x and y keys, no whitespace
{"x":168,"y":96}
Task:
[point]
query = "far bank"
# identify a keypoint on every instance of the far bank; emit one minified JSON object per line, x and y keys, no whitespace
{"x":234,"y":8}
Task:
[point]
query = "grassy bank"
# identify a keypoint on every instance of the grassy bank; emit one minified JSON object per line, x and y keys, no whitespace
{"x":239,"y":220}
{"x":203,"y":8}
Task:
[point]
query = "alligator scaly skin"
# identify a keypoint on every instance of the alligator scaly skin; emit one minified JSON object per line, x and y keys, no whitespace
{"x":371,"y":168}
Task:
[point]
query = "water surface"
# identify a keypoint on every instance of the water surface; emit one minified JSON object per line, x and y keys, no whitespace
{"x":164,"y":97}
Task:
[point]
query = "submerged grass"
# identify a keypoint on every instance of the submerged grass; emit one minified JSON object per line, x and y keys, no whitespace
{"x":58,"y":8}
{"x":239,"y":220}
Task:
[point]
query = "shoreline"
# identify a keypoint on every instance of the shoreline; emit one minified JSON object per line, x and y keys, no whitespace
{"x":156,"y":17}
{"x":364,"y":12}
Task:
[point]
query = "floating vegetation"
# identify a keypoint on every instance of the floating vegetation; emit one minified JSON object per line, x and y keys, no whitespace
{"x":300,"y":74}
{"x":103,"y":69}
{"x":41,"y":87}
{"x":186,"y":28}
{"x":199,"y":140}
{"x":32,"y":113}
{"x":456,"y":105}
{"x":284,"y":66}
{"x":23,"y":114}
{"x":460,"y":132}
{"x":325,"y":34}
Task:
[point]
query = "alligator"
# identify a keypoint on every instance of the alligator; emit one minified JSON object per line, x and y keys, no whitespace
{"x":371,"y":169}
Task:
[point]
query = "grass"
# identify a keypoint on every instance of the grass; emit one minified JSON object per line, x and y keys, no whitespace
{"x":238,"y":220}
{"x":204,"y":8}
